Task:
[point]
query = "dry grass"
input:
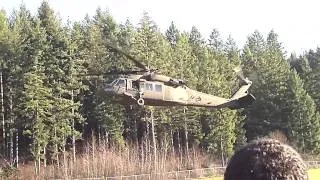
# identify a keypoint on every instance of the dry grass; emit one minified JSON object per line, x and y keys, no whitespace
{"x":109,"y":161}
{"x":98,"y":161}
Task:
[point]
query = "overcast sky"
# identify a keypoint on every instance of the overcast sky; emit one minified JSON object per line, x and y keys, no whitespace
{"x":296,"y":22}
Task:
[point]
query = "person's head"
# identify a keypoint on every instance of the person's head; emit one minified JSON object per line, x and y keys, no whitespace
{"x":265,"y":159}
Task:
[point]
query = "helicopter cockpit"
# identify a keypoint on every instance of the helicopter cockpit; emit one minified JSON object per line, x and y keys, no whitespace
{"x":120,"y":82}
{"x":115,"y":85}
{"x":119,"y":85}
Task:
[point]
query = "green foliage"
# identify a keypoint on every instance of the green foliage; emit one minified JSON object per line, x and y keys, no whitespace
{"x":172,"y":34}
{"x":215,"y":41}
{"x":109,"y":119}
{"x":48,"y":96}
{"x":282,"y":102}
{"x":308,"y":67}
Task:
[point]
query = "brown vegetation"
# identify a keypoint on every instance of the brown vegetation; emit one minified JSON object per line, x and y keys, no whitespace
{"x":103,"y":161}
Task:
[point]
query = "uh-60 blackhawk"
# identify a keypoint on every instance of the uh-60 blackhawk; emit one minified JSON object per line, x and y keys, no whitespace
{"x":147,"y":87}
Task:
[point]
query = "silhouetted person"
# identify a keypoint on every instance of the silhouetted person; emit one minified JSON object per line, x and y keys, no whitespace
{"x":266,"y":159}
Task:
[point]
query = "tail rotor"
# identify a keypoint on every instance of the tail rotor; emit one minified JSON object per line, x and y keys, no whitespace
{"x":240,"y":75}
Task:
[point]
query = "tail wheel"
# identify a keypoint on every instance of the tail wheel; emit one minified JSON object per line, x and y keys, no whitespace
{"x":140,"y":101}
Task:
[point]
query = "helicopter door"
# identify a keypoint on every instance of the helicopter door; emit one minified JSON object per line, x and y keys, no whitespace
{"x":151,"y":90}
{"x":128,"y":84}
{"x":158,"y":91}
{"x":131,"y":88}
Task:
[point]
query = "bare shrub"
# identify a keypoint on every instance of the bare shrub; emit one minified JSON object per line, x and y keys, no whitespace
{"x":102,"y":161}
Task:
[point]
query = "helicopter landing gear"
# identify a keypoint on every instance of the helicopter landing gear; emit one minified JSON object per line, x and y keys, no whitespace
{"x":140,"y":101}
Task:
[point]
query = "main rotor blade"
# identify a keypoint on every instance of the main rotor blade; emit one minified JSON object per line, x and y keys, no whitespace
{"x":136,"y":61}
{"x":124,"y":72}
{"x":115,"y":72}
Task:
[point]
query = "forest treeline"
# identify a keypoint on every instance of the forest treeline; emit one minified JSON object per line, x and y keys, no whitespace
{"x":50,"y":104}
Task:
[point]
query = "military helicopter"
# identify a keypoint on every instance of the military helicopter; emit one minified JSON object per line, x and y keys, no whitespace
{"x":147,"y":87}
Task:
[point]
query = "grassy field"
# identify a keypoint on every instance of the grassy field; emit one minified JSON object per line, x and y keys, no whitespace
{"x":314,"y":174}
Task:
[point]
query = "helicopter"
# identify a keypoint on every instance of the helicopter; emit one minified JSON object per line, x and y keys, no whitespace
{"x":147,"y":87}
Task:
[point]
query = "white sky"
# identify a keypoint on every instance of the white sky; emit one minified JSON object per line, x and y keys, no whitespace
{"x":296,"y":21}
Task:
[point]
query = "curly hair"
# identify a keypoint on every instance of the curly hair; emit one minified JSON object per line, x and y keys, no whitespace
{"x":265,"y":159}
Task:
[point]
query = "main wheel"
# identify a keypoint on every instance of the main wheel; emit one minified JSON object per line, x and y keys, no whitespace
{"x":140,"y":101}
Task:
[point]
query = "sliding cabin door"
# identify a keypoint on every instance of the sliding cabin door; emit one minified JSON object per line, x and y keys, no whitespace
{"x":152,"y":90}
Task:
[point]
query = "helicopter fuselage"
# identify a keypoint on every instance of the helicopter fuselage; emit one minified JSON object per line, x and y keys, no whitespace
{"x":155,"y":89}
{"x":155,"y":93}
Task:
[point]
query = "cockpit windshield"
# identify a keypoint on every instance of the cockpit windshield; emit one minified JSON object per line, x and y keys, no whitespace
{"x":113,"y":82}
{"x":121,"y":82}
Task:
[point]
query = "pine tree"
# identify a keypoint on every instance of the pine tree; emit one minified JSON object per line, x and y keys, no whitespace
{"x":34,"y":97}
{"x":172,"y":34}
{"x":21,"y":49}
{"x":186,"y":118}
{"x":37,"y":107}
{"x":232,"y":51}
{"x":74,"y":70}
{"x":279,"y":93}
{"x":313,"y":58}
{"x":215,"y":41}
{"x":220,"y":125}
{"x":310,"y":66}
{"x":233,"y":54}
{"x":62,"y":69}
{"x":102,"y":116}
{"x":148,"y":45}
{"x":4,"y":33}
{"x":304,"y":121}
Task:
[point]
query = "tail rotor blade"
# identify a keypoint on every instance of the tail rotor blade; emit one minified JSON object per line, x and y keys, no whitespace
{"x":239,"y":73}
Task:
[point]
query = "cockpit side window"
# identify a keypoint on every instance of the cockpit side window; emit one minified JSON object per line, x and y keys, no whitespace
{"x":113,"y":82}
{"x":121,"y":82}
{"x":158,"y":88}
{"x":142,"y":86}
{"x":149,"y":86}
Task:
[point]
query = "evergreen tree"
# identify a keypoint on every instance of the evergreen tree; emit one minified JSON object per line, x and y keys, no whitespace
{"x":215,"y":41}
{"x":314,"y":58}
{"x":310,"y":66}
{"x":300,"y":65}
{"x":103,"y":118}
{"x":62,"y":69}
{"x":21,"y":50}
{"x":4,"y":50}
{"x":30,"y":99}
{"x":218,"y":80}
{"x":278,"y":91}
{"x":37,"y":107}
{"x":232,"y":51}
{"x":172,"y":34}
{"x":48,"y":101}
